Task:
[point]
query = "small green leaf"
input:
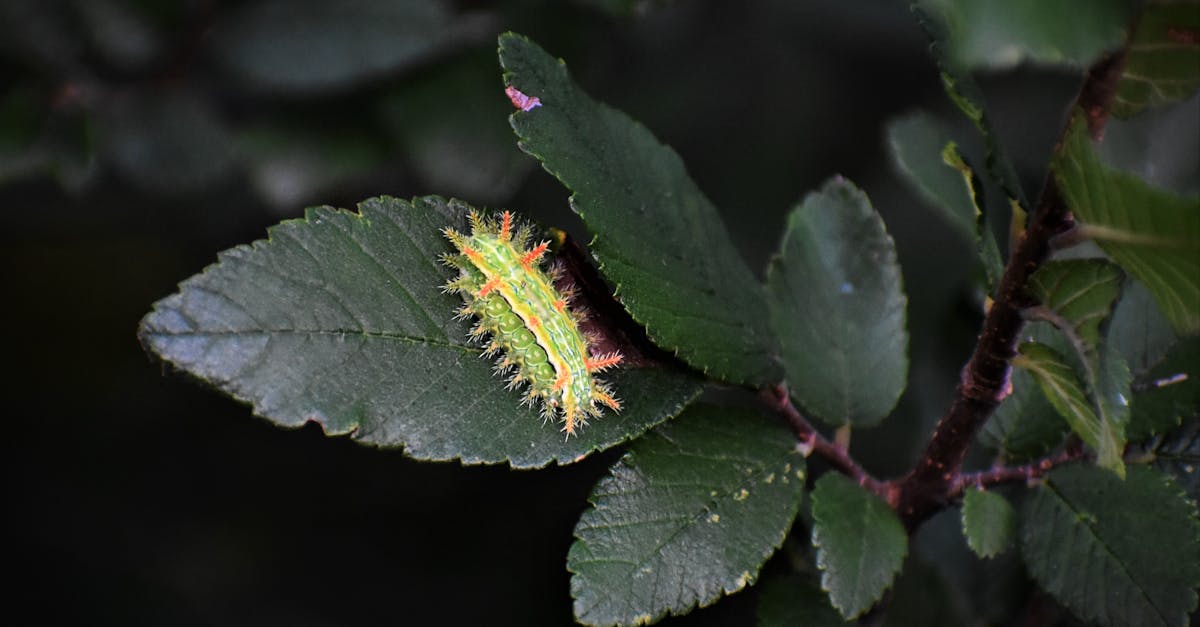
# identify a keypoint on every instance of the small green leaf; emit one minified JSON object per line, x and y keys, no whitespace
{"x":1081,"y":292}
{"x":1153,"y":234}
{"x":988,"y":522}
{"x":860,"y":543}
{"x":793,"y":600}
{"x":839,"y":308}
{"x":998,"y":34}
{"x":657,"y":237}
{"x":1098,"y":413}
{"x":1114,"y":552}
{"x":339,"y":319}
{"x":690,"y":513}
{"x":922,"y":148}
{"x":1163,"y":62}
{"x":1168,"y":393}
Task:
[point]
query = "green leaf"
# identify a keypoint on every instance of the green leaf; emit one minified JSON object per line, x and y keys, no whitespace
{"x":1080,"y":292}
{"x":1000,"y":34}
{"x":1179,"y":456}
{"x":307,"y":45}
{"x":860,"y":543}
{"x":690,"y":513}
{"x":838,"y":306}
{"x":988,"y":522}
{"x":657,"y":237}
{"x":339,"y":319}
{"x":794,"y":599}
{"x":1114,"y":552}
{"x":1025,"y":425}
{"x":1153,"y":234}
{"x":1167,"y":394}
{"x":1097,"y":413}
{"x":965,"y":93}
{"x":1138,"y":330}
{"x":922,"y":148}
{"x":1163,"y":61}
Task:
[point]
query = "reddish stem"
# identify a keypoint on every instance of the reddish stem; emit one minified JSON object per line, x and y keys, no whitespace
{"x":1009,"y":474}
{"x":811,"y":441}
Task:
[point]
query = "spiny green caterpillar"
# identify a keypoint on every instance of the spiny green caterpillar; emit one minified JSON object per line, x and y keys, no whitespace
{"x":528,"y":320}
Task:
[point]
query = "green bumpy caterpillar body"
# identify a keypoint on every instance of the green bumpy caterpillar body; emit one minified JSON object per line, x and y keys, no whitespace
{"x":528,"y":320}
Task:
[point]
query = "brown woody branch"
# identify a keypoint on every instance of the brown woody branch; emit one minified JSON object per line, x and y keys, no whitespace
{"x":937,"y":476}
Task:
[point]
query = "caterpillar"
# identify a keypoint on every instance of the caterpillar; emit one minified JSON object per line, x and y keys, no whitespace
{"x":532,"y":328}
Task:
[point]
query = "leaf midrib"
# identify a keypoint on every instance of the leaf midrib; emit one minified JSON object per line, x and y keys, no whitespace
{"x":1082,"y":521}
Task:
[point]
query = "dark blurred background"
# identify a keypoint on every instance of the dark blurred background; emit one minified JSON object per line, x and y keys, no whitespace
{"x":138,"y":138}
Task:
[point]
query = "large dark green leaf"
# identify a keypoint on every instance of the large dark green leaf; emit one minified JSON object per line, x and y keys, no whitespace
{"x":924,"y":151}
{"x":1163,"y":62}
{"x":1153,"y":234}
{"x":795,"y":600}
{"x":1080,"y":293}
{"x":1004,"y":33}
{"x":657,"y":237}
{"x":339,"y":319}
{"x":838,"y":306}
{"x":988,"y":522}
{"x":1096,"y":408}
{"x":1114,"y":552}
{"x":311,"y":45}
{"x":860,"y":543}
{"x":690,"y":513}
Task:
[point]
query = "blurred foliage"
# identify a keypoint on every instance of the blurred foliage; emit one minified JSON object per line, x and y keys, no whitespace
{"x":297,"y":99}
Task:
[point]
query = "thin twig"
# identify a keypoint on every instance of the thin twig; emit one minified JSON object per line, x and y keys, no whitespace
{"x":1010,"y":474}
{"x":811,"y":441}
